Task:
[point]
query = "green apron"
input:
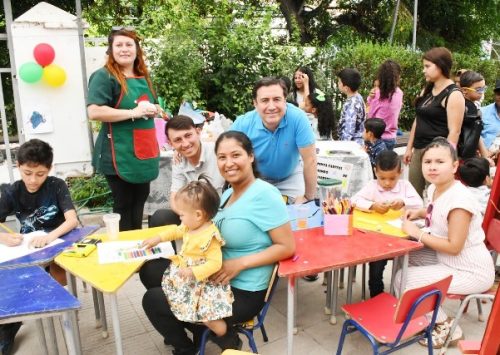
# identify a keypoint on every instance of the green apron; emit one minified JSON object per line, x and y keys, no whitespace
{"x":134,"y":148}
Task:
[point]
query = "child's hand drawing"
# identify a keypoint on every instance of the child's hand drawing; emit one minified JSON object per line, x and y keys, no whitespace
{"x":380,"y":207}
{"x":11,"y":239}
{"x":151,"y":242}
{"x":397,"y":204}
{"x":41,"y":241}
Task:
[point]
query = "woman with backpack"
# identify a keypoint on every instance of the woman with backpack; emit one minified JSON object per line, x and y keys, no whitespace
{"x":439,"y":112}
{"x":473,"y":87}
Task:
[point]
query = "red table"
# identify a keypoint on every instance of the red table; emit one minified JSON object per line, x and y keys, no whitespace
{"x":317,"y":253}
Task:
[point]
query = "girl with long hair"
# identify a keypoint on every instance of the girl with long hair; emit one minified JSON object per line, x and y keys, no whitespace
{"x":321,"y":106}
{"x":439,"y":112}
{"x":303,"y":84}
{"x":386,"y":100}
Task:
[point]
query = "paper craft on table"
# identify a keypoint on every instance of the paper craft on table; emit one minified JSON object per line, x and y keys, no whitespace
{"x":10,"y":253}
{"x":398,"y":223}
{"x":130,"y":251}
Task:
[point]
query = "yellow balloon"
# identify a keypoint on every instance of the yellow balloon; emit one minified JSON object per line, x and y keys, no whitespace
{"x":54,"y":75}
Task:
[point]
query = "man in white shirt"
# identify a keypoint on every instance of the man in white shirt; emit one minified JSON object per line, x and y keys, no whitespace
{"x":198,"y":158}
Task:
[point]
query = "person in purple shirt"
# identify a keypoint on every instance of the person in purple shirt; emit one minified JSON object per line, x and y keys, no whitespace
{"x":386,"y":99}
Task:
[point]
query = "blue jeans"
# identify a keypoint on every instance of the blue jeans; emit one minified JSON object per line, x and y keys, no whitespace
{"x":390,"y":143}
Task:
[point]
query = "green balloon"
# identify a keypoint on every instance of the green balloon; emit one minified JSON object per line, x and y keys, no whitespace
{"x":30,"y":72}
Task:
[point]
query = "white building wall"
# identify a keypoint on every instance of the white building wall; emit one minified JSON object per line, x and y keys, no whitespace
{"x":64,"y":105}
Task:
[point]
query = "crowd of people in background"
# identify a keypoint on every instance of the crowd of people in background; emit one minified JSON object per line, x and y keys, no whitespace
{"x":230,"y":196}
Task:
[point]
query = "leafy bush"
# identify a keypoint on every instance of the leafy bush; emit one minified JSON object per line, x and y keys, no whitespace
{"x":90,"y":192}
{"x":215,"y":61}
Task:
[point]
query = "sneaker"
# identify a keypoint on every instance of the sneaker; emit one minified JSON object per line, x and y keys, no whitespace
{"x":311,"y":278}
{"x":441,"y":332}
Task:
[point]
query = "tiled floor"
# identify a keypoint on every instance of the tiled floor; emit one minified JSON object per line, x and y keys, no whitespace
{"x":315,"y":337}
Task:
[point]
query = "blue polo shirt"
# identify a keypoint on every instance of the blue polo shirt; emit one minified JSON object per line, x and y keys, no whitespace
{"x":491,"y":124}
{"x":277,"y":152}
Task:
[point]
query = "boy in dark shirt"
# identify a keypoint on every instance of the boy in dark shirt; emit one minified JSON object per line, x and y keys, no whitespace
{"x":40,"y":202}
{"x":374,"y":144}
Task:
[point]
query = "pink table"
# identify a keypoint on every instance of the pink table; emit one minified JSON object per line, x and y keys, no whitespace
{"x":316,"y":253}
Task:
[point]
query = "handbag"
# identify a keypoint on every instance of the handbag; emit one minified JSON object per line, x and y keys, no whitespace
{"x":470,"y":132}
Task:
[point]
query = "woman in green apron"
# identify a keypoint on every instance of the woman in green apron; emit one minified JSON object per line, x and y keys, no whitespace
{"x":126,"y":151}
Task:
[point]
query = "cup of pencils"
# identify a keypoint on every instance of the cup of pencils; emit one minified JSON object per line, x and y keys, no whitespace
{"x":337,"y":216}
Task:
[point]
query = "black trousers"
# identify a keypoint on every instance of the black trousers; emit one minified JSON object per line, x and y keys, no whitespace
{"x":246,"y":305}
{"x":375,"y":279}
{"x":128,"y":201}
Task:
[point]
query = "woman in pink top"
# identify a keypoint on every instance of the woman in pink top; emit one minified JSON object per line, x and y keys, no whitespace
{"x":385,"y":100}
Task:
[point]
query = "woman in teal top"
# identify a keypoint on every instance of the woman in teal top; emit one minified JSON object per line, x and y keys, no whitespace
{"x":254,"y":223}
{"x":126,"y":150}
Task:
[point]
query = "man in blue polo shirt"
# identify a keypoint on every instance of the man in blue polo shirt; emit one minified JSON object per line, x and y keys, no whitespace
{"x":491,"y":120}
{"x":281,"y":134}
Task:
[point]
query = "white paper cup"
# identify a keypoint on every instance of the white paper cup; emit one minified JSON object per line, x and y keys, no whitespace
{"x":112,"y":222}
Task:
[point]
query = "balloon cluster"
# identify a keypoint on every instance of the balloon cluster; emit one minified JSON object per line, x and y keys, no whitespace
{"x":51,"y":74}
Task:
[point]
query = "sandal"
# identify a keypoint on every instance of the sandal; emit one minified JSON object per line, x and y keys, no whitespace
{"x":440,"y":333}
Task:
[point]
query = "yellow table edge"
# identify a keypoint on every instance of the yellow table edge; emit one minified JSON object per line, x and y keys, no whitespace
{"x":107,"y":278}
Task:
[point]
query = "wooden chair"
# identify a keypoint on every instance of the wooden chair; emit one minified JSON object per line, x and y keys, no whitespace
{"x":250,"y":326}
{"x":386,"y":321}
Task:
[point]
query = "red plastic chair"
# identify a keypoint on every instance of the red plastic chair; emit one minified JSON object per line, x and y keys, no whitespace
{"x":491,"y":341}
{"x":491,"y":227}
{"x":386,"y":321}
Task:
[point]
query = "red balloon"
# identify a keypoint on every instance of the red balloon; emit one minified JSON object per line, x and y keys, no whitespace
{"x":44,"y":54}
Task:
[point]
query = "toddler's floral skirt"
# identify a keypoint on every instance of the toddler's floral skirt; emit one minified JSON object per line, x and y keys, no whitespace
{"x":196,"y":301}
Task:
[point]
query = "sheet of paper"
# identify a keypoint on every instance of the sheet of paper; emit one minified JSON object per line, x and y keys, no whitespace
{"x":130,"y":251}
{"x":398,"y":223}
{"x":10,"y":253}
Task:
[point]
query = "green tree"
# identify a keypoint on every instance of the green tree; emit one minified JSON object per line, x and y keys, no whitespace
{"x":459,"y":25}
{"x":214,"y":54}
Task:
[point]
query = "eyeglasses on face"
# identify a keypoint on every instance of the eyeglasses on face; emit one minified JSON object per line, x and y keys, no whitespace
{"x":428,"y":215}
{"x":480,"y":90}
{"x":123,"y":28}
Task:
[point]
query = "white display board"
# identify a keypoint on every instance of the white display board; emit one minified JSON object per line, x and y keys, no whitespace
{"x":330,"y":168}
{"x":56,"y":115}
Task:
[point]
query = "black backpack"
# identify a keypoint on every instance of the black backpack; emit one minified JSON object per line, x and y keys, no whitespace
{"x":472,"y":126}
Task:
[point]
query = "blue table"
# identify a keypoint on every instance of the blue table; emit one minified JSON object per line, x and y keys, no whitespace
{"x":46,"y":255}
{"x":31,"y":293}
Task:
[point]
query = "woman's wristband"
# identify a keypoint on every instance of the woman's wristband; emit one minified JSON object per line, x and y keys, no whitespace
{"x":131,"y":114}
{"x":420,"y":236}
